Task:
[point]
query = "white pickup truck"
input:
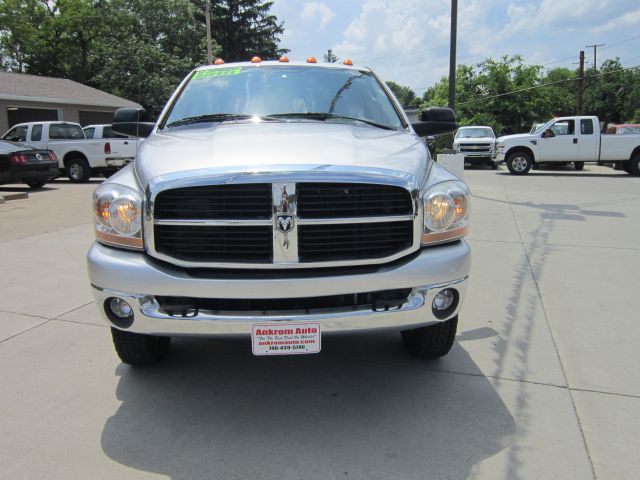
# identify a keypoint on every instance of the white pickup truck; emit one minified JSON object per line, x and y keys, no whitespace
{"x":78,"y":157}
{"x":122,"y":149}
{"x":569,"y":139}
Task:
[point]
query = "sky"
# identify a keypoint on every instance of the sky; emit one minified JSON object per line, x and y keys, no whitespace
{"x":407,"y":41}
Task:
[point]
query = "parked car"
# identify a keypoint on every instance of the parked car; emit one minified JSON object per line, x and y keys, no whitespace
{"x":281,"y":202}
{"x":122,"y":150}
{"x":574,"y":139}
{"x":623,"y":129}
{"x":78,"y":157}
{"x":477,"y":144}
{"x":20,"y":163}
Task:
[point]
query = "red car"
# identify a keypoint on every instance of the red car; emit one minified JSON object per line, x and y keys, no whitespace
{"x":623,"y":128}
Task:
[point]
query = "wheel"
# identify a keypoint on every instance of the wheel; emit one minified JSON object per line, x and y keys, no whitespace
{"x":139,"y":349}
{"x":633,"y":166}
{"x":433,"y":341}
{"x":519,"y":163}
{"x":36,"y":184}
{"x":578,"y":165}
{"x":78,"y":170}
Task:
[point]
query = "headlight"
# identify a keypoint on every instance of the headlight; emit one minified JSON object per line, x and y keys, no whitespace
{"x":446,"y":212}
{"x":118,"y":216}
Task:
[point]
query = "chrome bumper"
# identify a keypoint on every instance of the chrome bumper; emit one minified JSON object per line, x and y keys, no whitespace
{"x":118,"y":162}
{"x":137,"y":278}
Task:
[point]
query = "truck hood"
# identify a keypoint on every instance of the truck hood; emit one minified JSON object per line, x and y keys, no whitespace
{"x":280,"y":147}
{"x":516,"y":137}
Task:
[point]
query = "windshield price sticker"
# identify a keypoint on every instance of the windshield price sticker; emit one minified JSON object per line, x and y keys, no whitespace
{"x":217,"y":72}
{"x":285,"y":339}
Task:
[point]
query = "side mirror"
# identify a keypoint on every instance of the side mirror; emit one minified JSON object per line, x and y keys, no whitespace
{"x":131,"y":122}
{"x":435,"y":121}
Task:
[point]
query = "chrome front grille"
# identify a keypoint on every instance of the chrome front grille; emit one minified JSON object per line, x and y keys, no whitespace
{"x":282,"y":224}
{"x":475,"y":147}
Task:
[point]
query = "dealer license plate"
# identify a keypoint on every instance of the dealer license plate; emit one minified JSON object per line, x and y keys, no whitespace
{"x":285,"y":338}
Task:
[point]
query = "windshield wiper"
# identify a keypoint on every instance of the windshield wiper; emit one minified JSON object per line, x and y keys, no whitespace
{"x":328,"y":116}
{"x":216,"y":117}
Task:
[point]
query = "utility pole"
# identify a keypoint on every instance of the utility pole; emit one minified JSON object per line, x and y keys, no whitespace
{"x":581,"y":85}
{"x":595,"y":50}
{"x":452,"y":54}
{"x":207,"y":17}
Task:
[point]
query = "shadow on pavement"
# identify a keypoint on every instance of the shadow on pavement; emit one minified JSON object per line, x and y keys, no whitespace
{"x":361,"y":409}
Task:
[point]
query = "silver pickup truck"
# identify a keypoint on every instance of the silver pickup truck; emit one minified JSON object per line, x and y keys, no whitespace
{"x":281,"y":202}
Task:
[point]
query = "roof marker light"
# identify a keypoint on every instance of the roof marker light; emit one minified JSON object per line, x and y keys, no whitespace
{"x":218,"y":61}
{"x":349,"y":62}
{"x":256,"y":60}
{"x":283,"y":59}
{"x":312,"y":60}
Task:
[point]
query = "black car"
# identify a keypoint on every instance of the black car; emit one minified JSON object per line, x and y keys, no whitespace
{"x":20,"y":163}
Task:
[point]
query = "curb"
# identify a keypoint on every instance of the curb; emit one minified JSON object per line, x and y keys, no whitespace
{"x":5,"y":197}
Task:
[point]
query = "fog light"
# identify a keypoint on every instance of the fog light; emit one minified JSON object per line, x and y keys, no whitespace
{"x":443,"y":299}
{"x":120,"y":308}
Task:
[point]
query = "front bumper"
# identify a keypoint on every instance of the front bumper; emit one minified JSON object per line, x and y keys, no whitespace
{"x":118,"y":162}
{"x":138,"y":279}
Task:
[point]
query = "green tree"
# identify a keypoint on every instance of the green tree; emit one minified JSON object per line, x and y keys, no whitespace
{"x":138,"y":49}
{"x":244,"y":28}
{"x":612,"y":93}
{"x":506,"y":94}
{"x":405,"y":95}
{"x":330,"y":57}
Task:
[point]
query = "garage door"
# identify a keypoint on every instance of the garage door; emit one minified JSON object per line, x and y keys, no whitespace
{"x":22,"y":115}
{"x":88,"y":117}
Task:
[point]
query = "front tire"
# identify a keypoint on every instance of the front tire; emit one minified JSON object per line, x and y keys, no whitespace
{"x":634,"y":165}
{"x":138,"y":349}
{"x":433,"y":341}
{"x":78,"y":170}
{"x":36,"y":184}
{"x":519,"y":163}
{"x":578,"y":165}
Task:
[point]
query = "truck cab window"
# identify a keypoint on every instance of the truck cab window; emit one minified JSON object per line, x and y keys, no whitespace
{"x":65,"y":131}
{"x":586,"y":127}
{"x":36,"y":133}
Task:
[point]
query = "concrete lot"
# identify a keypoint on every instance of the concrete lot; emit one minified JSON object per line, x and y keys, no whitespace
{"x":543,"y":382}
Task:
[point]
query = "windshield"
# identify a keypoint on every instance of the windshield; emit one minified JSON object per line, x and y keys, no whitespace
{"x":475,"y":132}
{"x":308,"y":93}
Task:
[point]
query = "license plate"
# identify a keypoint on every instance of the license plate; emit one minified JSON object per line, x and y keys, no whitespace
{"x":285,"y":338}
